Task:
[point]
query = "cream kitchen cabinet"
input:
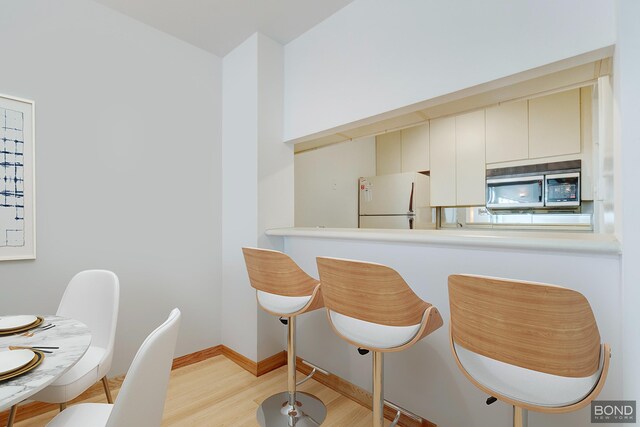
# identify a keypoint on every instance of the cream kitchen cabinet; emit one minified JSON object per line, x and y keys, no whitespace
{"x":554,"y":125}
{"x":415,"y":148}
{"x":406,"y":150}
{"x":388,"y":153}
{"x":442,"y":148}
{"x":457,"y":148}
{"x":543,"y":127}
{"x":470,"y":159}
{"x":507,"y":128}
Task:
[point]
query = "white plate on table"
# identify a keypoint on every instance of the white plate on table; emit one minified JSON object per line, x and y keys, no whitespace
{"x":14,"y":359}
{"x":9,"y":323}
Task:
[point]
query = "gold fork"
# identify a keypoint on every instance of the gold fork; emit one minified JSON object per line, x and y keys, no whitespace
{"x":35,"y":331}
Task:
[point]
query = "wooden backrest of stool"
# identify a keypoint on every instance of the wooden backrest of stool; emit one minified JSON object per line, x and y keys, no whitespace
{"x":536,"y":326}
{"x":276,"y":273}
{"x":370,"y":292}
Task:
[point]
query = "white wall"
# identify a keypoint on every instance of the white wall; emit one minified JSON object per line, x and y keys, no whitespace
{"x":374,"y":56}
{"x":326,"y":183}
{"x":128,"y":166}
{"x":425,"y":378}
{"x":275,"y":175}
{"x":627,"y":107}
{"x":257,"y":187}
{"x":239,"y":194}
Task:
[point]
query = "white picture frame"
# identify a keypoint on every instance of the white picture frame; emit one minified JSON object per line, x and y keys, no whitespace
{"x":17,"y":179}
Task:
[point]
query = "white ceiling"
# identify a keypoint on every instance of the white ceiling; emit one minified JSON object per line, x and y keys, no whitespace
{"x":218,"y":26}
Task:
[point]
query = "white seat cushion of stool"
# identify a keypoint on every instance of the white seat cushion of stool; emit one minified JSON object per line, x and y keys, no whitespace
{"x":281,"y":304}
{"x":76,"y":380}
{"x":83,"y":415}
{"x":526,"y":385}
{"x":372,"y":335}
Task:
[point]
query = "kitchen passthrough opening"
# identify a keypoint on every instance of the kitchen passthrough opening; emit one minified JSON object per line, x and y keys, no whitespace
{"x":541,"y":161}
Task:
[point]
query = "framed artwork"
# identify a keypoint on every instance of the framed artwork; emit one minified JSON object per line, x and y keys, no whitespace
{"x":17,"y":179}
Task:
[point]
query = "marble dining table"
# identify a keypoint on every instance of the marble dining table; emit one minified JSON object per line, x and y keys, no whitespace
{"x":73,"y":339}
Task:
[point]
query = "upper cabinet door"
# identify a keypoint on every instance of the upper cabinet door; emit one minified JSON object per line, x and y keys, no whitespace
{"x":554,"y":124}
{"x":415,"y":149}
{"x":507,"y":132}
{"x":388,"y":153}
{"x":442,"y":147}
{"x":470,"y":159}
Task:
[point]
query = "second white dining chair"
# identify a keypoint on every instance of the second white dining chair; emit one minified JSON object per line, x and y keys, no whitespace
{"x":140,"y":402}
{"x":92,"y":297}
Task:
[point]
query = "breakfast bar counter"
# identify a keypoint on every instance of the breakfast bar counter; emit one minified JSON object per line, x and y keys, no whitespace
{"x":425,"y":379}
{"x":578,"y":242}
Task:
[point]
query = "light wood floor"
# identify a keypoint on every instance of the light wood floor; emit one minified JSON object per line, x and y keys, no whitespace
{"x":218,"y":393}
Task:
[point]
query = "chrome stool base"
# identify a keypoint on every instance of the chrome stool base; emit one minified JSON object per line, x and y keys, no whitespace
{"x":275,"y":411}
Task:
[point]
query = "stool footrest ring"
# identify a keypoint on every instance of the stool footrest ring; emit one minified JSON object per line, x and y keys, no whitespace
{"x":395,"y":420}
{"x":400,"y":411}
{"x":307,"y":378}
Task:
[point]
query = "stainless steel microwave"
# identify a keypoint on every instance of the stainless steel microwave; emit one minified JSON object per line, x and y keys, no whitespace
{"x":515,"y":192}
{"x":551,"y":190}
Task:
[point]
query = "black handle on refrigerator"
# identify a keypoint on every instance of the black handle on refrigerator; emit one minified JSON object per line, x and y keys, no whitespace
{"x":411,"y":199}
{"x":410,"y":223}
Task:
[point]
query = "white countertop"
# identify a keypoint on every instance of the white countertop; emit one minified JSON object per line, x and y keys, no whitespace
{"x":577,"y":242}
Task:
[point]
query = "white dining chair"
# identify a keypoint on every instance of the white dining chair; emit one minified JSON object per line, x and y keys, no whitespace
{"x":92,"y":297}
{"x":140,"y":402}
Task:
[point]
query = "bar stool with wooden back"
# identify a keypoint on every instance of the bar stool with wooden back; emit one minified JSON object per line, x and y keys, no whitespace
{"x":531,"y":345}
{"x":370,"y":306}
{"x":285,"y":290}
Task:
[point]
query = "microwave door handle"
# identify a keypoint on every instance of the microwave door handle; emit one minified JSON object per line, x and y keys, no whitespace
{"x":540,"y":192}
{"x":411,"y":198}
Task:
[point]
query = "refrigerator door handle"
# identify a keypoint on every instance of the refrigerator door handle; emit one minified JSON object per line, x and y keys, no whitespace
{"x":410,"y":223}
{"x":411,"y":198}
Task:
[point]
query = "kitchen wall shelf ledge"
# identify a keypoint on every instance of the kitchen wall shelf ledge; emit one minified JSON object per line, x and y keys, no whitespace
{"x":604,"y":244}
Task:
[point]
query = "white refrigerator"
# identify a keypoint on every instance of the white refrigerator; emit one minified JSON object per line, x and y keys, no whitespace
{"x":395,"y":201}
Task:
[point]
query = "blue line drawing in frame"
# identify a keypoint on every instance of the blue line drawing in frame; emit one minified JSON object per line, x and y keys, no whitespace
{"x":17,"y":179}
{"x":12,"y":223}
